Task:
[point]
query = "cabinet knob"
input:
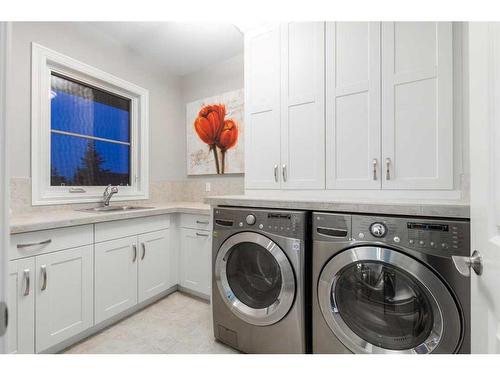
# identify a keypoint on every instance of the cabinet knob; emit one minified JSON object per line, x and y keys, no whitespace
{"x":276,"y":172}
{"x":284,"y":172}
{"x":387,"y":168}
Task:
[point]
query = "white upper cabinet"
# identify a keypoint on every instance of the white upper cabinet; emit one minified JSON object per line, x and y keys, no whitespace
{"x":350,"y":106}
{"x":302,"y":105}
{"x":417,"y":105}
{"x":262,"y":102}
{"x":353,"y":105}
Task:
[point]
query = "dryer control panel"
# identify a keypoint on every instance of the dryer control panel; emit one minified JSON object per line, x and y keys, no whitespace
{"x":429,"y":235}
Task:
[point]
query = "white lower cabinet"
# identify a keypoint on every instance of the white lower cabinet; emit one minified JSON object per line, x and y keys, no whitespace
{"x":62,"y":282}
{"x":64,"y":295}
{"x":21,"y":300}
{"x":130,"y":270}
{"x":154,"y":275}
{"x":195,"y":260}
{"x":115,"y":277}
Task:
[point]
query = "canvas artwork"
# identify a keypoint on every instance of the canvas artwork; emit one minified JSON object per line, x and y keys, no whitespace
{"x":215,"y":132}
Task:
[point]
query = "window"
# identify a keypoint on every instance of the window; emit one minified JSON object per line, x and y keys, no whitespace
{"x":89,"y":130}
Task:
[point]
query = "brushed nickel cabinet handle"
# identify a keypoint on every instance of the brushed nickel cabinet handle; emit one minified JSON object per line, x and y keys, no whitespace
{"x":374,"y":162}
{"x":387,"y":168}
{"x":134,"y":247}
{"x":44,"y":277}
{"x":284,"y":172}
{"x":201,"y":234}
{"x":27,"y":280}
{"x":202,"y":222}
{"x":276,"y":172}
{"x":23,"y":245}
{"x":143,"y":251}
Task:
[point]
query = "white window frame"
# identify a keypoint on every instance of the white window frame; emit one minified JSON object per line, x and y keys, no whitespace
{"x":44,"y":62}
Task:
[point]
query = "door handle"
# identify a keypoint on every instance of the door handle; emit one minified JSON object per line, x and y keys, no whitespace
{"x":202,"y":222}
{"x":276,"y":172}
{"x":27,"y":287}
{"x":387,"y":168}
{"x":134,"y":248}
{"x":284,"y":172}
{"x":143,"y":251}
{"x":464,"y":264}
{"x":201,"y":234}
{"x":43,"y":269}
{"x":374,"y":162}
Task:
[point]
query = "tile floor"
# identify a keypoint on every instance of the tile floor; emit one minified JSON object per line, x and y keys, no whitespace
{"x":176,"y":324}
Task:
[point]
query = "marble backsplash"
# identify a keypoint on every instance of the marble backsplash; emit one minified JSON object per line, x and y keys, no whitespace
{"x":160,"y":192}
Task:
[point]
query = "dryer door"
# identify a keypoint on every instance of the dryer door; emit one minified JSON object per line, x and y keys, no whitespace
{"x":255,"y":278}
{"x":378,"y":300}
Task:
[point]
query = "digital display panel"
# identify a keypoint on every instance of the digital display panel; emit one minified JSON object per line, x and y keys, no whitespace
{"x":428,"y":226}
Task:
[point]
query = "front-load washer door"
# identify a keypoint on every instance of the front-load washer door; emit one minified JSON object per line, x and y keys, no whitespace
{"x":378,"y":300}
{"x":255,"y":278}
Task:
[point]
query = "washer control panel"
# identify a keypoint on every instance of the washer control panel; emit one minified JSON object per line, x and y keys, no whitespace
{"x":284,"y":223}
{"x":428,"y":235}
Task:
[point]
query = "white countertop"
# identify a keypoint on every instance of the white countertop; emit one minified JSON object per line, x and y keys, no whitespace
{"x":30,"y":222}
{"x":420,"y":207}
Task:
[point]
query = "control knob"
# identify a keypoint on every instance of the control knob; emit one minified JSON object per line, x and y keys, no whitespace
{"x":250,"y":219}
{"x":378,"y":230}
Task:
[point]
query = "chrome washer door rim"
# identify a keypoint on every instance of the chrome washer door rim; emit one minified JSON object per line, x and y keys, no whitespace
{"x":444,"y":336}
{"x":280,"y":307}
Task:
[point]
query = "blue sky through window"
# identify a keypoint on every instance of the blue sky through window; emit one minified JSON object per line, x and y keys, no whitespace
{"x":90,"y":138}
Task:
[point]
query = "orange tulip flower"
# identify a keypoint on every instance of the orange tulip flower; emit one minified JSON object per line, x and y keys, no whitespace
{"x":216,"y":132}
{"x":210,"y":122}
{"x":228,"y":136}
{"x":208,"y":125}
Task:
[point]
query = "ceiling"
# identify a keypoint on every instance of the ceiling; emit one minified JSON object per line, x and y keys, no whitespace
{"x":180,"y":48}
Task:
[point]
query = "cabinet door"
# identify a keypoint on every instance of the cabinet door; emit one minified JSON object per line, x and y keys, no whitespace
{"x":196,"y":267}
{"x":353,"y":105}
{"x":262,"y":109}
{"x":64,"y":297}
{"x":417,"y":105}
{"x":115,"y":277}
{"x":21,"y":302}
{"x":154,"y":264}
{"x":302,"y":105}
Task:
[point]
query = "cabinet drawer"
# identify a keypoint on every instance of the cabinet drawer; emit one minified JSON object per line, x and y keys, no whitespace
{"x":45,"y":241}
{"x":195,"y":221}
{"x":130,"y":227}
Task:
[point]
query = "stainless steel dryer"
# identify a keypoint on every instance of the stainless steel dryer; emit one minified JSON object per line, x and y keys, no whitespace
{"x":258,"y":282}
{"x":386,"y":284}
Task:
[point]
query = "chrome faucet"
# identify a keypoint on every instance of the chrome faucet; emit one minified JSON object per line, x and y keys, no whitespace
{"x":108,"y":193}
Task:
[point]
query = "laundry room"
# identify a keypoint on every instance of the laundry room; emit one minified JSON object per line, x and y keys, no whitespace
{"x":220,"y":186}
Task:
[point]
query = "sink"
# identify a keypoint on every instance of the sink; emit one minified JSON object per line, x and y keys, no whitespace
{"x":103,"y":209}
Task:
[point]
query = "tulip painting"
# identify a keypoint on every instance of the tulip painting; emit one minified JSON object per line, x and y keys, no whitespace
{"x":214,"y":134}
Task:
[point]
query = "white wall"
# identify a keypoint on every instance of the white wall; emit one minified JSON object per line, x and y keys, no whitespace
{"x":167,"y":152}
{"x":224,"y":76}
